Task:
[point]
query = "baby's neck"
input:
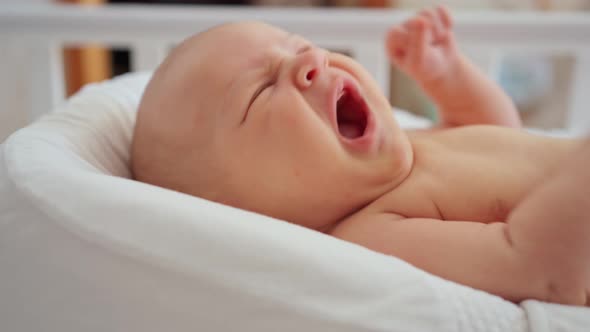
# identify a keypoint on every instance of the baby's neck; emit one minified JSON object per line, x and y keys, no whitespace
{"x":401,"y":173}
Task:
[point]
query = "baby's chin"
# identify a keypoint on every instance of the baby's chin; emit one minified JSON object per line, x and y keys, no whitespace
{"x":395,"y":156}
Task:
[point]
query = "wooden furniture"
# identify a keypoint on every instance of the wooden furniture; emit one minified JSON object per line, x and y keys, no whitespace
{"x":88,"y":63}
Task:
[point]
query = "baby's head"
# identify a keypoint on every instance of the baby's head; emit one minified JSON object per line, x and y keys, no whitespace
{"x":248,"y":115}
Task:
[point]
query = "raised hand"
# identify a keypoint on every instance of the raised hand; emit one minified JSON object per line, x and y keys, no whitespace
{"x":424,"y":46}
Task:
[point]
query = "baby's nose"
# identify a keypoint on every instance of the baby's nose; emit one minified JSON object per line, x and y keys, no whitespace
{"x":309,"y":66}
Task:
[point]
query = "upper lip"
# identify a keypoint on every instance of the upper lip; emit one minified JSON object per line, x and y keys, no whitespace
{"x":340,"y":85}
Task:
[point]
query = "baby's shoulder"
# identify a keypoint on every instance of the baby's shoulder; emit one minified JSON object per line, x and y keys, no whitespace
{"x":491,"y":141}
{"x":462,"y":132}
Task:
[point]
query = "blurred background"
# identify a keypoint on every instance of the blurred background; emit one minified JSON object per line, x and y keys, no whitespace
{"x":537,"y":84}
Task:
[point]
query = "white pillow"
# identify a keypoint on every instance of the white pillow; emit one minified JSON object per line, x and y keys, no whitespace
{"x":84,"y":248}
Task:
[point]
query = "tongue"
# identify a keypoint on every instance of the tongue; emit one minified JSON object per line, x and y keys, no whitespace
{"x":350,"y":130}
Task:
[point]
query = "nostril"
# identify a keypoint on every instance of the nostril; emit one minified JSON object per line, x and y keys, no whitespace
{"x":310,"y":75}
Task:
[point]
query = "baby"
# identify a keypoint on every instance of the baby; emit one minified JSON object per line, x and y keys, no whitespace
{"x":248,"y":115}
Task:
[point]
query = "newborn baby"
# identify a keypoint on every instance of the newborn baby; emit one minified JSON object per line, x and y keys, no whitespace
{"x":251,"y":116}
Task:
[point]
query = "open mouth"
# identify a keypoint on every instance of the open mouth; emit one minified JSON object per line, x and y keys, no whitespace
{"x":351,"y":113}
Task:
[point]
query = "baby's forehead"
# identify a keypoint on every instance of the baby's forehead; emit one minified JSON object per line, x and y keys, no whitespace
{"x":215,"y":63}
{"x":234,"y":48}
{"x":246,"y":32}
{"x":247,"y":27}
{"x":230,"y":46}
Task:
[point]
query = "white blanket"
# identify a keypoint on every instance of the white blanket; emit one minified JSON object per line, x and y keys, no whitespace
{"x":83,"y":248}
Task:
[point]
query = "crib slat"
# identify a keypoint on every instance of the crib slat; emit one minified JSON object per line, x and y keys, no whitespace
{"x":147,"y":55}
{"x":145,"y":27}
{"x":578,"y":120}
{"x":47,"y":78}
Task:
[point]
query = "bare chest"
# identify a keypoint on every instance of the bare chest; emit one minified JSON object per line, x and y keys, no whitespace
{"x":470,"y":180}
{"x":469,"y":190}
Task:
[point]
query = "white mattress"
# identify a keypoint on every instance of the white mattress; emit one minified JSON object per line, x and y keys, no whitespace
{"x":83,"y":248}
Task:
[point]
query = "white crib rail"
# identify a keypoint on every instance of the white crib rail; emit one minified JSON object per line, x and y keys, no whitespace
{"x":150,"y":30}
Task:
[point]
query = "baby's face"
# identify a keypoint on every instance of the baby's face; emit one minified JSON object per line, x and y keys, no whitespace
{"x":294,"y":131}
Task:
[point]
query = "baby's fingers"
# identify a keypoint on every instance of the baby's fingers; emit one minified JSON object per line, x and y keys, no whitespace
{"x":445,"y":17}
{"x":420,"y":38}
{"x":397,"y":44}
{"x":434,"y":23}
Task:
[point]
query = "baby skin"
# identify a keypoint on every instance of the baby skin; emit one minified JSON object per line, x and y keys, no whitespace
{"x":251,"y":116}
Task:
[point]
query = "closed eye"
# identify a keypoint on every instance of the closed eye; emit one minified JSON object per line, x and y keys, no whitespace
{"x":255,"y":95}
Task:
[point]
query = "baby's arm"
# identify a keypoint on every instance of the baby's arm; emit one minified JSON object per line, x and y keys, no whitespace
{"x":542,"y":252}
{"x":551,"y":230}
{"x":470,"y":253}
{"x":424,"y":48}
